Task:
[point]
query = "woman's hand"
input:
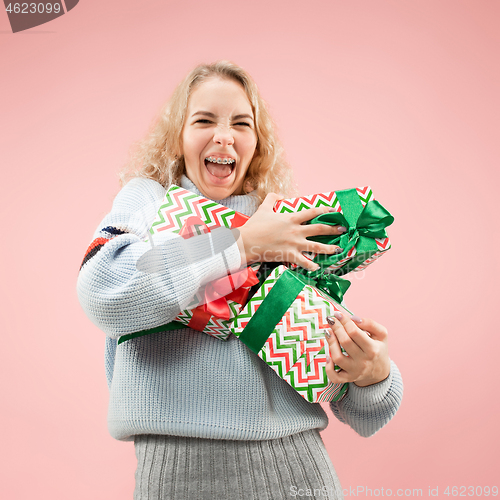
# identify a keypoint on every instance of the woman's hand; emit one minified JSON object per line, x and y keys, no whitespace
{"x":365,"y":342}
{"x":272,"y":237}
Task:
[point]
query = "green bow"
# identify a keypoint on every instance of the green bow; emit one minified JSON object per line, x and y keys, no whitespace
{"x":281,"y":297}
{"x":333,"y":286}
{"x":329,"y":283}
{"x":364,"y":225}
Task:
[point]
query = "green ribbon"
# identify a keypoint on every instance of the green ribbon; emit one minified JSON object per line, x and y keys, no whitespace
{"x":281,"y":297}
{"x":173,"y":325}
{"x":363,"y":224}
{"x":332,"y":285}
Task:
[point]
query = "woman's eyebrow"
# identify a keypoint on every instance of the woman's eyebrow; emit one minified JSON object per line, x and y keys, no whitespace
{"x":206,"y":113}
{"x":239,"y":117}
{"x":212,"y":115}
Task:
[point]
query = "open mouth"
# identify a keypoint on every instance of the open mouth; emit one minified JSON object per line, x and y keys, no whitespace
{"x":220,"y":167}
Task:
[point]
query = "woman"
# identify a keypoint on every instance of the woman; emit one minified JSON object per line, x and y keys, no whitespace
{"x":208,"y":418}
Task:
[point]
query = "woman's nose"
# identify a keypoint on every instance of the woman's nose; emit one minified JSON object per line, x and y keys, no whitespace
{"x":223,"y":136}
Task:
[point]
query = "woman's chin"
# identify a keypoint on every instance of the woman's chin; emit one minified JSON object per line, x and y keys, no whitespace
{"x":217,"y":192}
{"x":219,"y":187}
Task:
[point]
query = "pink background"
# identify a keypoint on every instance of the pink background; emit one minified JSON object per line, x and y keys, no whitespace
{"x":402,"y":95}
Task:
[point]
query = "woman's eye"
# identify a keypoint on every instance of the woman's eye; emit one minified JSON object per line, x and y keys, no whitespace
{"x":243,"y":123}
{"x":203,"y":121}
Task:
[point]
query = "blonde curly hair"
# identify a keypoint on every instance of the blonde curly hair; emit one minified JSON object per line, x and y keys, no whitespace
{"x":159,"y":155}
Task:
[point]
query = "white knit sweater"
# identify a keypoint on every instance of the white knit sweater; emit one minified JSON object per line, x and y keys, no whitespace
{"x":184,"y":382}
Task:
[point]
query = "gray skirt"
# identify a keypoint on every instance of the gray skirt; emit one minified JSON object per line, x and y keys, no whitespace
{"x":181,"y":468}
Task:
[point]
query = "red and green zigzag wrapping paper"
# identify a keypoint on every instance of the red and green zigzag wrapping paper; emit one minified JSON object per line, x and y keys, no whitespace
{"x":216,"y":327}
{"x":346,"y":261}
{"x":295,"y":349}
{"x":180,"y":204}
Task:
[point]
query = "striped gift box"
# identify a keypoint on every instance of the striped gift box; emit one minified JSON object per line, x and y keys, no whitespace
{"x":350,"y":260}
{"x":294,"y":347}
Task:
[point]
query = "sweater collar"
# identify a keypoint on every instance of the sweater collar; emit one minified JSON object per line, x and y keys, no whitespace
{"x":244,"y":203}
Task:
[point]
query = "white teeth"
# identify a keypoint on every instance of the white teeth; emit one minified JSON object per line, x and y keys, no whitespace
{"x":223,"y":161}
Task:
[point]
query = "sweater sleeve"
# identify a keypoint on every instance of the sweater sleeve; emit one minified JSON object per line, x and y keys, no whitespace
{"x":120,"y":296}
{"x":368,"y":409}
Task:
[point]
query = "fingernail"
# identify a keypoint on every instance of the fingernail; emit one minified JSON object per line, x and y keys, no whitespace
{"x":338,"y":315}
{"x":327,"y":334}
{"x":355,"y":318}
{"x":330,"y":320}
{"x":331,"y":209}
{"x":341,"y":229}
{"x":338,"y":250}
{"x":328,"y":359}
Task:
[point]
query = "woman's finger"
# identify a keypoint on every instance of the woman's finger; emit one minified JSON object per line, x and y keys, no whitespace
{"x":336,"y":377}
{"x":310,"y":213}
{"x":343,"y":328}
{"x":368,"y":358}
{"x":312,"y":246}
{"x":357,"y":334}
{"x":310,"y":230}
{"x":375,"y":330}
{"x":339,"y":375}
{"x":303,"y":261}
{"x":270,"y":200}
{"x":339,"y":358}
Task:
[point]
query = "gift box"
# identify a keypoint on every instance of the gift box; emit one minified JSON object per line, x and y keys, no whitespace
{"x":180,"y":204}
{"x":284,"y":323}
{"x":365,"y":219}
{"x":213,"y":311}
{"x":213,"y":308}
